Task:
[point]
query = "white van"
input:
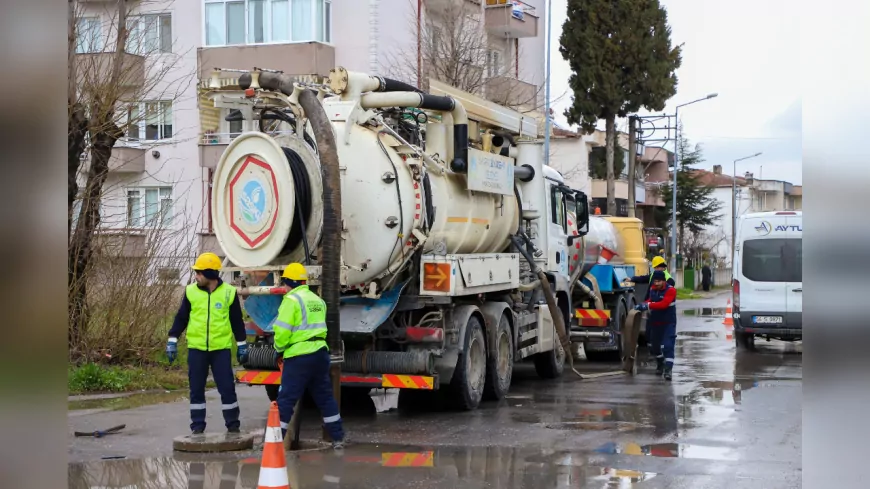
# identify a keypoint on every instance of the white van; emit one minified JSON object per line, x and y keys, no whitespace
{"x":767,"y":283}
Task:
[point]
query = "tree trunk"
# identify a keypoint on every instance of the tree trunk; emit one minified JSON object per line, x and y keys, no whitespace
{"x":77,"y":127}
{"x":609,"y":142}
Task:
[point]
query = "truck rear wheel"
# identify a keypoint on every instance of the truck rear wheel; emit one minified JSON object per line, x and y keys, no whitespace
{"x":470,"y":375}
{"x":500,"y":364}
{"x":272,"y":392}
{"x":618,"y":315}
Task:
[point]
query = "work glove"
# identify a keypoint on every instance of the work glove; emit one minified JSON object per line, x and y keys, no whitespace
{"x":242,"y":354}
{"x":643,"y":306}
{"x":171,"y":351}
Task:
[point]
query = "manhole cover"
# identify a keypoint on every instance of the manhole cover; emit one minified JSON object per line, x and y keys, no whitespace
{"x":214,"y":442}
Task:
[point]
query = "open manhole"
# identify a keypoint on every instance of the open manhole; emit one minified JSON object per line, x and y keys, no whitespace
{"x":599,"y":425}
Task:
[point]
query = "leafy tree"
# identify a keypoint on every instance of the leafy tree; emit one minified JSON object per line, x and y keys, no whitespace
{"x":598,"y":162}
{"x":621,"y":57}
{"x":696,"y":206}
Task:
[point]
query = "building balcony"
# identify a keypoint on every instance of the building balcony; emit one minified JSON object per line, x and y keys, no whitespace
{"x":299,"y":58}
{"x":510,"y":19}
{"x":509,"y":91}
{"x":212,"y":146}
{"x":127,"y":159}
{"x":122,"y":243}
{"x":93,"y":71}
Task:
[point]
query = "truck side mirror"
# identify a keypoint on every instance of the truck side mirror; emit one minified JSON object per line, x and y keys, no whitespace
{"x":581,"y":204}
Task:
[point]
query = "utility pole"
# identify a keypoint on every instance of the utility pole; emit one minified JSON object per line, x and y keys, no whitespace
{"x":632,"y":164}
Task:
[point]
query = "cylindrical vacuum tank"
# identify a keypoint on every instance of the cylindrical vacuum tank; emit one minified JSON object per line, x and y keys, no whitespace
{"x":254,"y":205}
{"x":601,"y":232}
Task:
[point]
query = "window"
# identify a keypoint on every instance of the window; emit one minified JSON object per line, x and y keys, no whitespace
{"x":149,"y":206}
{"x":773,"y":260}
{"x":557,"y":202}
{"x":232,"y":22}
{"x":149,"y":34}
{"x":88,"y":35}
{"x":149,"y":121}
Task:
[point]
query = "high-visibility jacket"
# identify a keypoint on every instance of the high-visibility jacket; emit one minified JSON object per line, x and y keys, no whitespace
{"x":208,"y":327}
{"x":300,"y":327}
{"x":662,"y":306}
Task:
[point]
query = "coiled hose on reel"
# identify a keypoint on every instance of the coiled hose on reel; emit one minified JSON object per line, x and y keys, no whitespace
{"x":302,"y":187}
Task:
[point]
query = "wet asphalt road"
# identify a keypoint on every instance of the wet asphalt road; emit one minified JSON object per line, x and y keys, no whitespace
{"x":728,"y":419}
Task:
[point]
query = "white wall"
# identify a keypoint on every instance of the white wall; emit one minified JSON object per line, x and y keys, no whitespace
{"x":719,"y":234}
{"x":570,"y":156}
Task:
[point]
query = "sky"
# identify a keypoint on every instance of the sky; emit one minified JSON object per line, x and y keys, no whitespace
{"x":746,"y":51}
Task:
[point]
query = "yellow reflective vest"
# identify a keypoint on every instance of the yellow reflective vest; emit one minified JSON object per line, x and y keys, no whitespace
{"x":300,"y":328}
{"x":209,"y":328}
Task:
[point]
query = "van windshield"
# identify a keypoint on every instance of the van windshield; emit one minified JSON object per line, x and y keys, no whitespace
{"x":773,"y":260}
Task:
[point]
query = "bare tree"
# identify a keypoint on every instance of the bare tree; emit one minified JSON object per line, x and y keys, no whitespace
{"x":454,"y":48}
{"x":112,"y":69}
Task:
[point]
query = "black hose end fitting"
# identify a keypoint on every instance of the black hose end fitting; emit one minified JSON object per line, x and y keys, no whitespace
{"x":498,"y":141}
{"x":458,"y":165}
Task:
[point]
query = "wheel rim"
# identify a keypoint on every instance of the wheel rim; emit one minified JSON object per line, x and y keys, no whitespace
{"x":503,"y":355}
{"x":476,"y":364}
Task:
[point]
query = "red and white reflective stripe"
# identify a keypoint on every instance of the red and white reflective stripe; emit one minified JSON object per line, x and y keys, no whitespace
{"x":273,"y":435}
{"x":273,"y":477}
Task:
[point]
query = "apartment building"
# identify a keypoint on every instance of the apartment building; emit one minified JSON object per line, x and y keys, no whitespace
{"x":162,"y":167}
{"x":154,"y":181}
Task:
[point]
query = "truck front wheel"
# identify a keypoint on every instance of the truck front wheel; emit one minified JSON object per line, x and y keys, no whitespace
{"x":469,"y":376}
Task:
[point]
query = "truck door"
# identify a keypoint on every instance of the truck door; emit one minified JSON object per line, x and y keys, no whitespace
{"x":558,"y":228}
{"x":793,"y":263}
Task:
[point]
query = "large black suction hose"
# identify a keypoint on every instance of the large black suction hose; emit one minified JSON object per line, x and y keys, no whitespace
{"x":330,"y":288}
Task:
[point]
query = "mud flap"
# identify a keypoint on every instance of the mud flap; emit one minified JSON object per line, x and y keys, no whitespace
{"x":631,"y":329}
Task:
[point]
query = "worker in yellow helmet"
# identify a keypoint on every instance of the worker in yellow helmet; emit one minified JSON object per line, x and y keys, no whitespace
{"x":211,"y":313}
{"x":658,"y":264}
{"x":300,"y":338}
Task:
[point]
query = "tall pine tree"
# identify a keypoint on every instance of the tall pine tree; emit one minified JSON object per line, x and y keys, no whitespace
{"x":696,"y":206}
{"x":621,"y":57}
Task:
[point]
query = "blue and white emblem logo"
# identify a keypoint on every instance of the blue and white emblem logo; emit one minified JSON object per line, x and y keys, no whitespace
{"x":218,"y":305}
{"x":253,"y":202}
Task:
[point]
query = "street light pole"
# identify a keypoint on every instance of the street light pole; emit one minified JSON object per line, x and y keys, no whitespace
{"x":734,"y":203}
{"x":547,"y":90}
{"x":673,"y":265}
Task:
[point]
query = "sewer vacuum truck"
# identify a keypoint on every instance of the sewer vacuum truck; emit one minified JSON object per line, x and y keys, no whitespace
{"x":444,"y":258}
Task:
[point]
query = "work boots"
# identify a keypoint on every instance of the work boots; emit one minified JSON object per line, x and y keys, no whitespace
{"x":668,"y":369}
{"x":660,"y":366}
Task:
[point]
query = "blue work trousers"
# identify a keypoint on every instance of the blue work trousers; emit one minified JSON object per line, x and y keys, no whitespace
{"x":309,"y":372}
{"x":220,"y":362}
{"x":662,"y":339}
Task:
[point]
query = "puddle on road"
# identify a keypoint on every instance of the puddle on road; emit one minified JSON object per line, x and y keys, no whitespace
{"x":669,"y":450}
{"x":365,"y":466}
{"x":698,"y":334}
{"x":128,"y":402}
{"x":705,"y":312}
{"x":600,"y":426}
{"x":385,"y":400}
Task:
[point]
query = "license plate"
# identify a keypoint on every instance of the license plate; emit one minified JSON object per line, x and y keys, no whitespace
{"x":767,"y":319}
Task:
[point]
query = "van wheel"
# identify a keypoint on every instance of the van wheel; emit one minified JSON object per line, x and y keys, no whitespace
{"x":500,"y":363}
{"x":745,"y":341}
{"x":469,"y":376}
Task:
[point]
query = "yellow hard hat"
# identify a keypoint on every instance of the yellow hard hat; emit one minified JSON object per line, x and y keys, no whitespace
{"x":295,"y":271}
{"x":658,"y":261}
{"x":207,"y":261}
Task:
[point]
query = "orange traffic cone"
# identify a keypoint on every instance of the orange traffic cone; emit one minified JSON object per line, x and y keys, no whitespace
{"x":728,"y":322}
{"x":273,"y":468}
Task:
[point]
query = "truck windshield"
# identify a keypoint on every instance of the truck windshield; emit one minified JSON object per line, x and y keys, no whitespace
{"x":773,"y":260}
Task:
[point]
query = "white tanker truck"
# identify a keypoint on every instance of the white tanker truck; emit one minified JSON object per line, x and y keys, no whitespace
{"x":443,"y":259}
